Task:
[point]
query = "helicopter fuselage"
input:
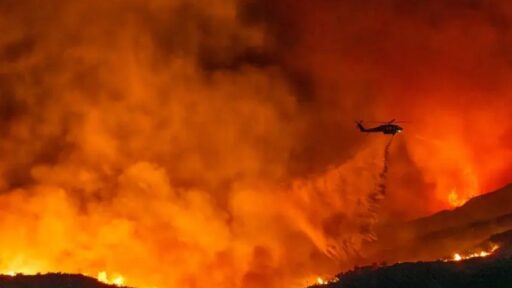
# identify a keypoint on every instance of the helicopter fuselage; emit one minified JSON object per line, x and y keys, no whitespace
{"x":390,"y":129}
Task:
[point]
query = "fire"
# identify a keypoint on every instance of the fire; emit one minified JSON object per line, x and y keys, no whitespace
{"x":483,"y":253}
{"x":116,"y":280}
{"x":320,"y":281}
{"x":19,"y":267}
{"x":323,"y":281}
{"x":179,"y":137}
{"x":455,"y":200}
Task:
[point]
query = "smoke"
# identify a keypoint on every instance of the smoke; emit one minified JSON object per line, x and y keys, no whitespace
{"x":154,"y":140}
{"x":441,"y":66}
{"x":212,"y":141}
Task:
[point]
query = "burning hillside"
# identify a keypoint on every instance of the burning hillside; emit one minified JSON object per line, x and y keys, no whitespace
{"x":155,"y":140}
{"x":477,"y":249}
{"x":476,"y":273}
{"x":464,"y":231}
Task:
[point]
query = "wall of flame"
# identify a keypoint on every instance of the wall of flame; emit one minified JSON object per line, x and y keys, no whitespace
{"x":183,"y":142}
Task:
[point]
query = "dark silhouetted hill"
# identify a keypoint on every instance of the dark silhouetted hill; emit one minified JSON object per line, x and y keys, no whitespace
{"x":446,"y":232}
{"x":51,"y":280}
{"x":491,"y":272}
{"x":483,"y":221}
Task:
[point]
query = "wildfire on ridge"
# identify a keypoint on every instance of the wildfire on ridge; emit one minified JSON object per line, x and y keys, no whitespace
{"x":455,"y":258}
{"x":455,"y":199}
{"x":116,"y":280}
{"x":129,"y":145}
{"x":480,"y":254}
{"x":325,"y":281}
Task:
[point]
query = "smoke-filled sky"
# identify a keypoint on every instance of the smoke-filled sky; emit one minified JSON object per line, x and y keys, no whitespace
{"x":192,"y":143}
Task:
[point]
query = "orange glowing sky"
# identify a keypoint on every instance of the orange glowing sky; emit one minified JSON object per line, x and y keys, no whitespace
{"x":193,"y":136}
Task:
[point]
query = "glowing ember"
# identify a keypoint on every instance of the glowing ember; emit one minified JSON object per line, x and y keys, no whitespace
{"x":320,"y":281}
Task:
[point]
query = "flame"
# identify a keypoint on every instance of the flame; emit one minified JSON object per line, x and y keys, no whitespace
{"x":116,"y":280}
{"x":320,"y":281}
{"x":455,"y":200}
{"x":479,"y":254}
{"x":214,"y":133}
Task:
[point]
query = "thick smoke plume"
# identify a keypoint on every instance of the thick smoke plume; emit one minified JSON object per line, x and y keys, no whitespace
{"x":192,"y":143}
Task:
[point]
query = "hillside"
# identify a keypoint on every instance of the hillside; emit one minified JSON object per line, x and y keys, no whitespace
{"x":473,"y":273}
{"x":484,"y":272}
{"x":462,"y":229}
{"x":51,"y":280}
{"x":417,"y":248}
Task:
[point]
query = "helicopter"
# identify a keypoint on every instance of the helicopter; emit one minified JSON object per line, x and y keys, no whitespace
{"x":386,"y":128}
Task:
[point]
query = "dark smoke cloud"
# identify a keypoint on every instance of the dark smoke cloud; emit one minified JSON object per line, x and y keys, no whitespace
{"x":442,"y":66}
{"x":215,"y":133}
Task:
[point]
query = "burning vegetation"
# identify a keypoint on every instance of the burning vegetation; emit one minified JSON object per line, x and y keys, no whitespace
{"x":477,"y":272}
{"x":163,"y":139}
{"x":116,"y":280}
{"x":481,"y":253}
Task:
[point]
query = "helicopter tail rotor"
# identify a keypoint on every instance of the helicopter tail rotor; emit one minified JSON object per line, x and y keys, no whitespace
{"x":360,"y":125}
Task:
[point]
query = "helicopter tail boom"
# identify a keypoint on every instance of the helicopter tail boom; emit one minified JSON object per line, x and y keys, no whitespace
{"x":360,"y":126}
